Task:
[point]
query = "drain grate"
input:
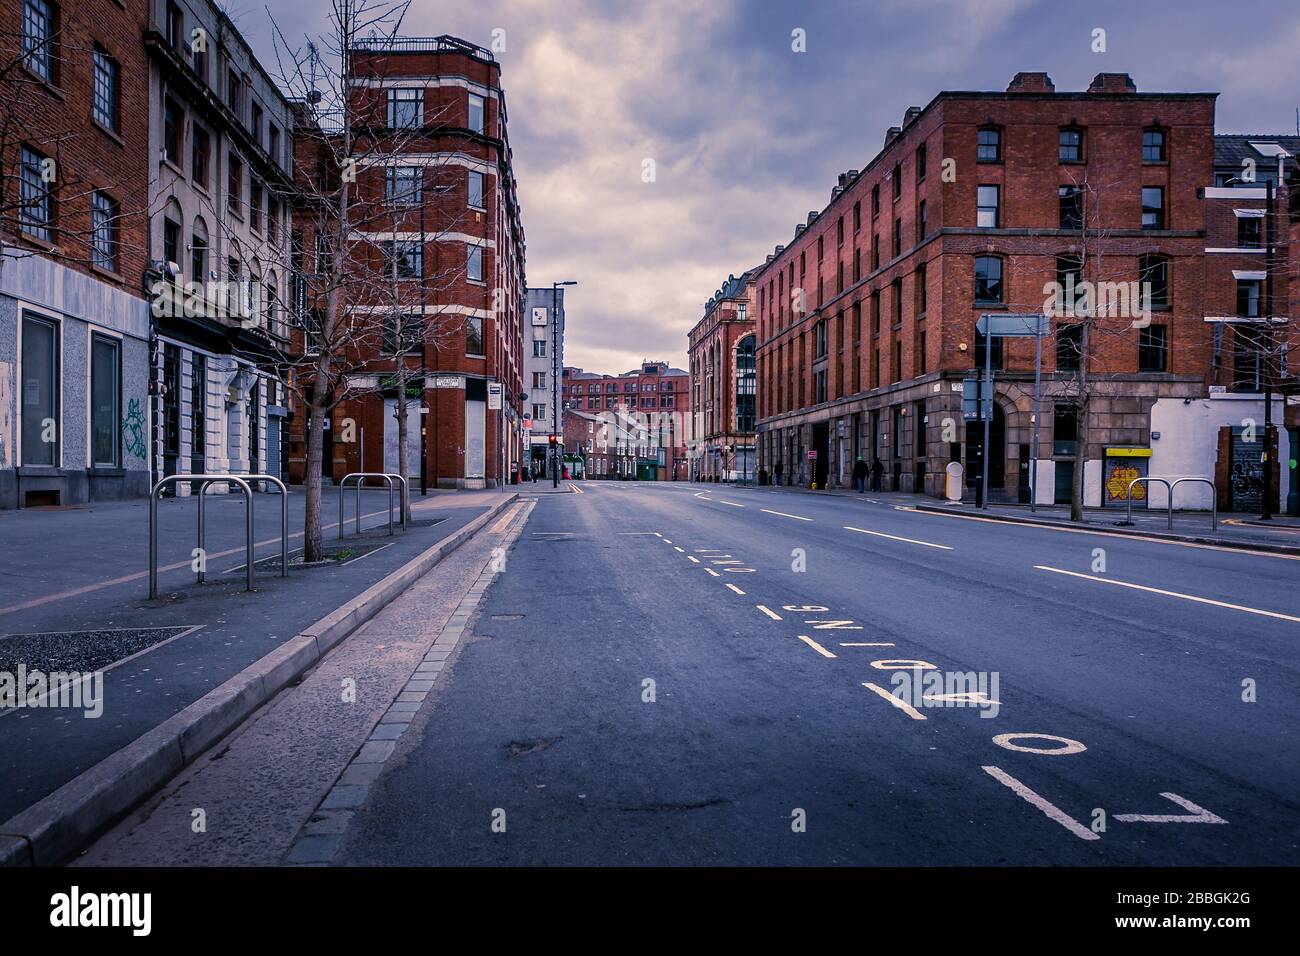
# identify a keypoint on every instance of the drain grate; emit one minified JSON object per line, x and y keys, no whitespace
{"x":80,"y":650}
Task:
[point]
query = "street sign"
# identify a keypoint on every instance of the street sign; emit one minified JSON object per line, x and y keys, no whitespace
{"x":494,"y":395}
{"x":1012,"y":324}
{"x":970,"y":399}
{"x":812,"y":454}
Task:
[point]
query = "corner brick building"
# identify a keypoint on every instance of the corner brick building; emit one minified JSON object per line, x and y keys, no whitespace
{"x":74,"y":318}
{"x":437,"y":154}
{"x":867,"y":317}
{"x":721,"y":349}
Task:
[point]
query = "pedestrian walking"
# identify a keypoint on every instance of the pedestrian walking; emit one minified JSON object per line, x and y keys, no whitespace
{"x":860,"y":472}
{"x":877,"y":472}
{"x":779,"y":468}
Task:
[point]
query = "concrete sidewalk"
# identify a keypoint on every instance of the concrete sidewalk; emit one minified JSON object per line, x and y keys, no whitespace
{"x":80,"y":584}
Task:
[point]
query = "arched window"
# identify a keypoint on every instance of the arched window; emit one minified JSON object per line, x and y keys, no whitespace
{"x":1153,"y":145}
{"x":746,"y":384}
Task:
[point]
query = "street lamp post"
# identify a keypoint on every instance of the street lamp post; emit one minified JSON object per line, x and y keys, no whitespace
{"x":555,"y":379}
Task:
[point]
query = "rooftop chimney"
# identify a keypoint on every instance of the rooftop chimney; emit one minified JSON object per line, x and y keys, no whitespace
{"x":812,"y":217}
{"x":836,"y":190}
{"x":1112,"y":83}
{"x":891,"y":134}
{"x":1031,"y":83}
{"x":912,"y":113}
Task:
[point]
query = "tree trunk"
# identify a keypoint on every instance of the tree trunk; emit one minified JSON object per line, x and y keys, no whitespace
{"x":311,"y":521}
{"x":1080,"y":462}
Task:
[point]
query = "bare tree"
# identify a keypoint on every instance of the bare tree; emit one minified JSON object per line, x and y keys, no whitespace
{"x":367,"y":285}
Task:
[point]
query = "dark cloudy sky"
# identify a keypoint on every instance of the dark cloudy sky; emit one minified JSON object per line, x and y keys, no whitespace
{"x":748,"y":136}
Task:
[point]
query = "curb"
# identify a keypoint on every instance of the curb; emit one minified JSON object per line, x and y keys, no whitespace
{"x":57,"y":826}
{"x":1101,"y":529}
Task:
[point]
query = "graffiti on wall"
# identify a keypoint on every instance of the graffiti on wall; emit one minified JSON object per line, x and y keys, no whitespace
{"x":133,"y":430}
{"x":7,"y":456}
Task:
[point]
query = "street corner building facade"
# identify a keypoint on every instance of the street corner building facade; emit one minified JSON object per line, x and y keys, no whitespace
{"x":646,"y":414}
{"x":220,"y":188}
{"x":438,"y":237}
{"x":1093,"y":209}
{"x":722,"y":349}
{"x":543,"y":373}
{"x":74,"y":316}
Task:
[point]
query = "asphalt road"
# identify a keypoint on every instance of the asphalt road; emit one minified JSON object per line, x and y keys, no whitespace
{"x":678,"y":674}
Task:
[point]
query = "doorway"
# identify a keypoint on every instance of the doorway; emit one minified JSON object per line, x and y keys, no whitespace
{"x":997,"y":448}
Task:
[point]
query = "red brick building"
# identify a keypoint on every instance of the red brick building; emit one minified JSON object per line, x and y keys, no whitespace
{"x":721,"y":349}
{"x":75,"y":398}
{"x":653,"y":398}
{"x":986,"y":203}
{"x":434,"y":151}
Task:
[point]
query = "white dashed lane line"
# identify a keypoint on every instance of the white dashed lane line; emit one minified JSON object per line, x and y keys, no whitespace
{"x":894,"y":537}
{"x":784,"y":515}
{"x":815,"y":646}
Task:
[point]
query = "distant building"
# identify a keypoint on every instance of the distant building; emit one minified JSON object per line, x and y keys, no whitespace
{"x":543,"y":365}
{"x":722,"y":349}
{"x":652,"y":399}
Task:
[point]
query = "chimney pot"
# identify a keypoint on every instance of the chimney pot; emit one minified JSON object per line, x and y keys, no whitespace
{"x":1031,"y":83}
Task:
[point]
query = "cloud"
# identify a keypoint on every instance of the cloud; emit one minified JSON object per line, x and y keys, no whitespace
{"x":748,"y":136}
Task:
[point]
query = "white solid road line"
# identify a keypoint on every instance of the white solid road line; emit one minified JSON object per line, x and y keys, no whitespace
{"x":1186,"y":597}
{"x":902,"y":705}
{"x":732,"y":503}
{"x":784,"y":515}
{"x":815,"y":646}
{"x":894,"y":537}
{"x":859,"y":644}
{"x":770,"y":613}
{"x":1050,"y":809}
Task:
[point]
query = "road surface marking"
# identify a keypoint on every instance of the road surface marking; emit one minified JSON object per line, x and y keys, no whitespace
{"x":691,"y":557}
{"x":712,"y":572}
{"x":858,"y":644}
{"x":902,"y":664}
{"x":640,"y":533}
{"x":1071,"y":746}
{"x":815,"y":646}
{"x":1104,"y":534}
{"x":1194,"y":814}
{"x":894,"y":537}
{"x":725,"y":561}
{"x":784,"y":515}
{"x":834,"y":625}
{"x":723,"y":501}
{"x":573,"y":487}
{"x":769,"y":612}
{"x":664,"y":540}
{"x":1186,"y":597}
{"x":1050,"y":809}
{"x":554,"y":534}
{"x":902,"y":705}
{"x":736,"y":589}
{"x":677,"y":548}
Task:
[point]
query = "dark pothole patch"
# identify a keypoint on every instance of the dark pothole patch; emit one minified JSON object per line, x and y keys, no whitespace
{"x":521,"y":748}
{"x":676,"y":807}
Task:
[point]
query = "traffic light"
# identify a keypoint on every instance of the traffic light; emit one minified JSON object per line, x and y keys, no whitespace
{"x":552,"y":439}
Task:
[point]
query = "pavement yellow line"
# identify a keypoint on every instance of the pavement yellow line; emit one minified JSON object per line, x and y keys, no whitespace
{"x":784,"y":515}
{"x":902,"y":705}
{"x":1175,"y":594}
{"x":1051,"y":810}
{"x":894,"y":537}
{"x":736,"y":589}
{"x":769,"y":612}
{"x":815,"y":646}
